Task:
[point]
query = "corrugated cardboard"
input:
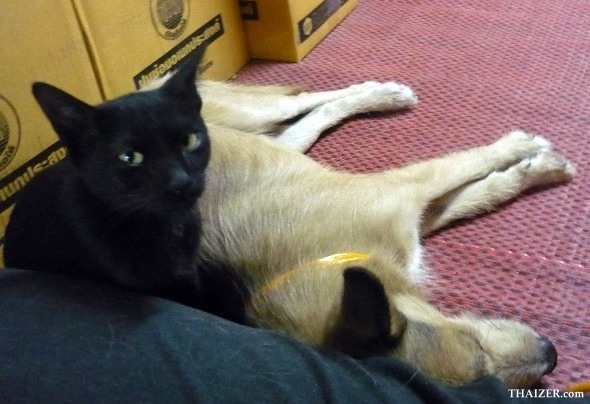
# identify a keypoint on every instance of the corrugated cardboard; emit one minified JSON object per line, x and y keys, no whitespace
{"x":41,"y":41}
{"x":288,"y":30}
{"x":134,"y":42}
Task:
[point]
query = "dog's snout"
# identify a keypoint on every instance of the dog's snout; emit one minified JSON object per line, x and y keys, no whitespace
{"x":549,"y":352}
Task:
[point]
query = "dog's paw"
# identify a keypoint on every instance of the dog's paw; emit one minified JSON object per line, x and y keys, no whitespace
{"x":546,"y":168}
{"x":521,"y":136}
{"x":386,"y":97}
{"x":522,"y":145}
{"x":398,"y":92}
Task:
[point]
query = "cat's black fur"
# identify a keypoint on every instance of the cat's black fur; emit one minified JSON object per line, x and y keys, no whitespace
{"x":122,"y":207}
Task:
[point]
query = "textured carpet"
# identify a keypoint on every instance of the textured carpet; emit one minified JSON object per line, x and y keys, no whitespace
{"x":480,"y":68}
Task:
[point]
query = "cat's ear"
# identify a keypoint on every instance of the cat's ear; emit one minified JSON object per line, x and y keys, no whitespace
{"x":70,"y":117}
{"x":183,"y":81}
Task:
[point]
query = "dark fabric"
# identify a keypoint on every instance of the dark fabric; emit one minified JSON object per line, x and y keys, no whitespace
{"x":66,"y":340}
{"x":480,"y":68}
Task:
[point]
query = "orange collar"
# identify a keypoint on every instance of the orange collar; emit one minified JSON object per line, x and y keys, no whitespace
{"x":325,"y":262}
{"x":583,"y":387}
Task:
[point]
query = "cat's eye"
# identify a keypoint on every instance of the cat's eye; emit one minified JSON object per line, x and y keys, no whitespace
{"x":131,"y":158}
{"x":192,"y":142}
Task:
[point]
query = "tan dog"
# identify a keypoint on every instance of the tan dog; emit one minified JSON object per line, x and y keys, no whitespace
{"x":334,"y":258}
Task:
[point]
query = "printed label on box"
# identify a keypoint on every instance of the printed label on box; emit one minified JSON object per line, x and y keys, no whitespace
{"x":249,"y":10}
{"x":9,"y":132}
{"x":206,"y":34}
{"x":20,"y":177}
{"x":170,"y":17}
{"x":311,"y":22}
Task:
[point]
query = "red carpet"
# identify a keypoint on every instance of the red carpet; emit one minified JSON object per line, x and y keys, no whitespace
{"x":480,"y":68}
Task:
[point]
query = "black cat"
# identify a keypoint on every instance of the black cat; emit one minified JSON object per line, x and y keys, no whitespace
{"x":122,"y":207}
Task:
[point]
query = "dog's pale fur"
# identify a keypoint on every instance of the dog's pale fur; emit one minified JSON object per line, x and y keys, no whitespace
{"x":271,"y":213}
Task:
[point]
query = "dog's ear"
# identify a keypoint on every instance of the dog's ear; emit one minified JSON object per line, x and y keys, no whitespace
{"x":367,"y":324}
{"x":71,"y":118}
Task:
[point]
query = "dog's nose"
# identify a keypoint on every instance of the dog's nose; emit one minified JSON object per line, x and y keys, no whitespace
{"x":550,"y":353}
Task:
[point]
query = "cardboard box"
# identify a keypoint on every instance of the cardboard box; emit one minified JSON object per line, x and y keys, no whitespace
{"x":132,"y":43}
{"x":41,"y":41}
{"x":288,"y":30}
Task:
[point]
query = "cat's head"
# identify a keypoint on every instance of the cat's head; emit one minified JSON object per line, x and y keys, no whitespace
{"x":145,"y":152}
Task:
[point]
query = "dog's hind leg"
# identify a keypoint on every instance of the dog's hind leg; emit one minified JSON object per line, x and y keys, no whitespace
{"x":486,"y":194}
{"x":374,"y":97}
{"x":257,"y":111}
{"x":436,"y":177}
{"x":453,"y":186}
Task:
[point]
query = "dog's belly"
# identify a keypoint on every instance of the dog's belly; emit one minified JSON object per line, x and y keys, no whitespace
{"x":271,"y":232}
{"x":285,"y":210}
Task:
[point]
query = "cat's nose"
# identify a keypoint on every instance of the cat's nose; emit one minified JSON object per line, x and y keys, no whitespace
{"x":180,"y":183}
